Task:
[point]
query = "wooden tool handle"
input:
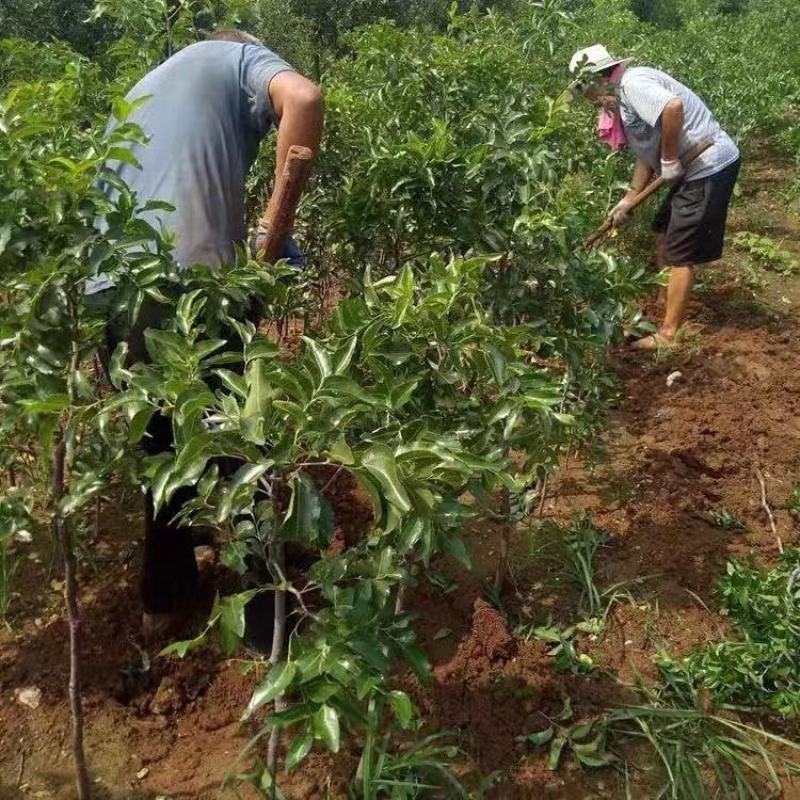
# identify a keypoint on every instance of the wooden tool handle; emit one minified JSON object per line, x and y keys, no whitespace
{"x":279,"y":226}
{"x":651,"y":188}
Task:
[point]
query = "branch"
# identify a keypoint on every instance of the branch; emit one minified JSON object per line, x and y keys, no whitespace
{"x":765,"y":506}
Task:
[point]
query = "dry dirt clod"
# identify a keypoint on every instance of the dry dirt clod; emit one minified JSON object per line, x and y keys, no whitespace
{"x":491,"y":632}
{"x":30,"y":696}
{"x":672,"y":377}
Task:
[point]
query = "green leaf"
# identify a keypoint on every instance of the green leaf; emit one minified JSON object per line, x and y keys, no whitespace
{"x":538,"y":738}
{"x":179,"y":649}
{"x":231,"y":619}
{"x":299,"y":748}
{"x":188,"y":309}
{"x":234,"y":555}
{"x":123,"y":155}
{"x":404,"y":289}
{"x":257,"y":404}
{"x":321,"y":358}
{"x":455,"y":546}
{"x":556,"y":748}
{"x":380,"y":462}
{"x":138,"y":425}
{"x":236,"y":383}
{"x":402,"y":707}
{"x":166,"y":347}
{"x":5,"y":236}
{"x":322,"y":692}
{"x":309,"y":518}
{"x":401,"y":393}
{"x":341,"y":452}
{"x":274,"y":685}
{"x":326,"y":727}
{"x":599,"y":760}
{"x":345,"y":356}
{"x":497,"y":362}
{"x":419,"y":662}
{"x":158,"y":485}
{"x":117,"y":373}
{"x":52,"y":405}
{"x":249,"y":473}
{"x":121,"y":109}
{"x":261,"y":347}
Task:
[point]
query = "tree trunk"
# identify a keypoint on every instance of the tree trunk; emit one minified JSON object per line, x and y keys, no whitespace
{"x":505,"y":538}
{"x":63,"y":535}
{"x":278,"y":569}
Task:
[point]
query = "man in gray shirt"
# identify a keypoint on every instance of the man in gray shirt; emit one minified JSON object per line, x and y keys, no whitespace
{"x":660,"y":120}
{"x":207,"y":109}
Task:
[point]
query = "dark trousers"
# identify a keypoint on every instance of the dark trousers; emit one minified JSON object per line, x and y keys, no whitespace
{"x":170,"y":577}
{"x":169,"y":569}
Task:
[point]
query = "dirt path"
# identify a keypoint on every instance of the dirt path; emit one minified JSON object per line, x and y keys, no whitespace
{"x":671,"y":456}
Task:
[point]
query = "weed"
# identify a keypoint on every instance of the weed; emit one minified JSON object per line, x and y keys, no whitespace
{"x":8,"y":566}
{"x":441,"y":582}
{"x":767,"y":252}
{"x":728,"y":521}
{"x":403,"y":772}
{"x":793,"y":503}
{"x":759,"y":669}
{"x":582,"y":542}
{"x":703,"y":753}
{"x":566,"y":657}
{"x":15,"y":520}
{"x":411,"y":772}
{"x":586,"y":740}
{"x":751,"y":277}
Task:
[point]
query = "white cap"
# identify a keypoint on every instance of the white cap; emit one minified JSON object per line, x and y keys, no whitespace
{"x":596,"y":58}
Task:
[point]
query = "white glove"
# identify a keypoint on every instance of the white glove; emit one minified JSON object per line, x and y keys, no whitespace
{"x":619,"y":213}
{"x":672,"y":170}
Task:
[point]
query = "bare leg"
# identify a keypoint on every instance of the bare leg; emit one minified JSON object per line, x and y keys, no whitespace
{"x":661,"y":244}
{"x":679,"y":291}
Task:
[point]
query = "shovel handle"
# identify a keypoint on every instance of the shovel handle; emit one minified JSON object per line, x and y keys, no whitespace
{"x":651,"y":188}
{"x":273,"y":233}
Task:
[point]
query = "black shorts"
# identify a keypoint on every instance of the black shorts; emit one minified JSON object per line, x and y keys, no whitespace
{"x":693,"y":216}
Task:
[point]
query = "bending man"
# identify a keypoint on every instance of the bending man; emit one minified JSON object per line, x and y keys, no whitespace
{"x":207,"y":109}
{"x":660,"y":120}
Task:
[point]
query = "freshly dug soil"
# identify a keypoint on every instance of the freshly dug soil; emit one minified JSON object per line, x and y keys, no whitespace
{"x":670,"y":456}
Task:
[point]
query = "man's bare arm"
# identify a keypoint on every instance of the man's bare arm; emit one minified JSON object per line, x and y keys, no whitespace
{"x":671,"y":128}
{"x":640,"y":179}
{"x":298,"y":105}
{"x":641,"y":176}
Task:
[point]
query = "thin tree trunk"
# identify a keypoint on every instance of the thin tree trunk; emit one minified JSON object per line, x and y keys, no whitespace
{"x":63,"y":535}
{"x":400,"y":601}
{"x":505,"y":537}
{"x":278,"y":569}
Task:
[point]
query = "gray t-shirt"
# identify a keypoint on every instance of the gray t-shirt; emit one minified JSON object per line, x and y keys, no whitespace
{"x":207,"y":111}
{"x":643,"y":93}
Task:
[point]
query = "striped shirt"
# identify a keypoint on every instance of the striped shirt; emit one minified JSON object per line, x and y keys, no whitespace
{"x":643,"y":93}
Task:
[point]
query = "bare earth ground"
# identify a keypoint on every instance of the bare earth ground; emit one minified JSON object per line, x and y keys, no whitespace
{"x":669,"y":457}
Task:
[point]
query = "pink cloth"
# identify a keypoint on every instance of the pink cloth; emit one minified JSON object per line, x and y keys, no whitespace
{"x":611,"y":130}
{"x":609,"y":123}
{"x":616,"y":75}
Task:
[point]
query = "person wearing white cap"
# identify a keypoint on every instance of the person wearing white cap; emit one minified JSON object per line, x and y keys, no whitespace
{"x":660,"y":120}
